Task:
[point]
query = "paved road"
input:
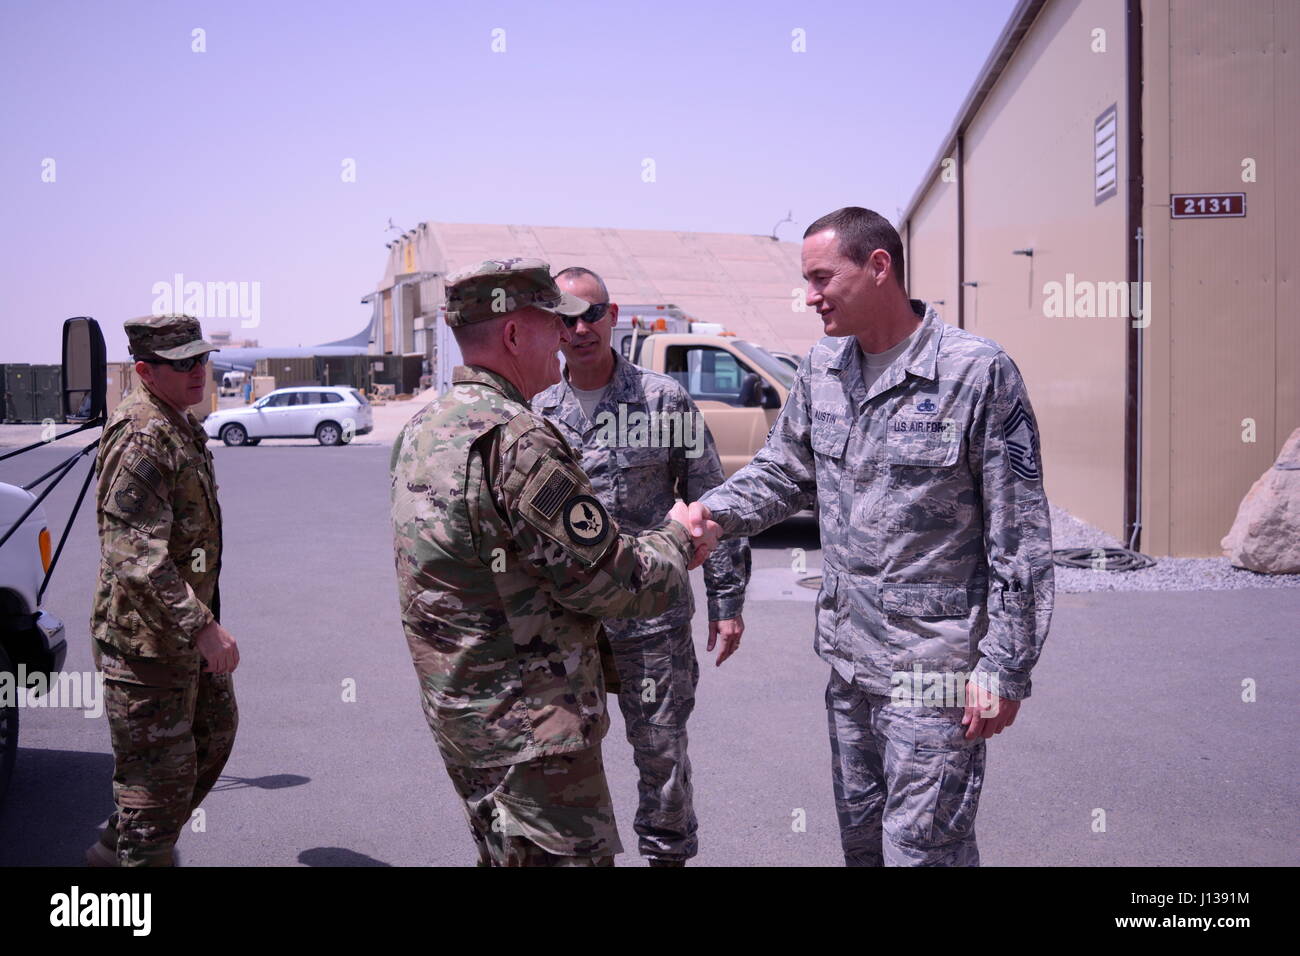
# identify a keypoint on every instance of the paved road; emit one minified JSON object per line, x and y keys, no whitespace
{"x":1137,"y":710}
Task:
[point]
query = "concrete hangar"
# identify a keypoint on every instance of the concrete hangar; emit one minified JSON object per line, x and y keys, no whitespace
{"x":1117,"y":204}
{"x":749,"y":284}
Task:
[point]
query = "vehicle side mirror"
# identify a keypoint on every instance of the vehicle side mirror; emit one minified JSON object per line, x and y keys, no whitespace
{"x":751,"y":390}
{"x":85,"y":370}
{"x":771,"y":397}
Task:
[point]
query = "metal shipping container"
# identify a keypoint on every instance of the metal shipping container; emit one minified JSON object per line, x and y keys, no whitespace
{"x":290,"y":372}
{"x":412,"y":369}
{"x":352,"y":371}
{"x":400,"y":371}
{"x":19,"y":406}
{"x":47,"y":393}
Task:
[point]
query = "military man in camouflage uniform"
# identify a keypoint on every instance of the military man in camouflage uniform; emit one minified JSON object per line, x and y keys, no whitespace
{"x":506,"y":563}
{"x":166,"y":660}
{"x":637,"y":477}
{"x":918,"y":444}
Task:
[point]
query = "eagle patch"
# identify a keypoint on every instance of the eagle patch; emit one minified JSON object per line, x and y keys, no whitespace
{"x":1022,"y":442}
{"x":131,"y":498}
{"x":585,"y":520}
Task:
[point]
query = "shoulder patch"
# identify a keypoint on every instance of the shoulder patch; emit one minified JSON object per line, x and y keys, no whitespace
{"x":556,"y":501}
{"x":130,"y":498}
{"x":1022,"y":442}
{"x":585,"y":520}
{"x":551,"y":492}
{"x":135,"y":501}
{"x":148,"y":473}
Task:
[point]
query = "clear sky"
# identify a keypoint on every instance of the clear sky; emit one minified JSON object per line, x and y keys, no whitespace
{"x":227,"y":165}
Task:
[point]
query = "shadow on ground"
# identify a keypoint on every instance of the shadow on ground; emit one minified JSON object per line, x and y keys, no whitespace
{"x":56,"y":804}
{"x":337,"y":856}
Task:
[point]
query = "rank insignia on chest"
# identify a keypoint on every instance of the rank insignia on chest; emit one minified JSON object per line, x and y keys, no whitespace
{"x":585,"y":520}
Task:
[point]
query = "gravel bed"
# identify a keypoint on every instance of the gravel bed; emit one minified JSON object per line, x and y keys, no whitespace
{"x":1169,"y":574}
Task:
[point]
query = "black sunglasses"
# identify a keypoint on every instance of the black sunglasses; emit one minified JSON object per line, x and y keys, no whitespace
{"x":182,"y":365}
{"x":595,"y":312}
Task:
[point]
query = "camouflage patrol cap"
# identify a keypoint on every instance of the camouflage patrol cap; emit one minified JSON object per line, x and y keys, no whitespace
{"x":166,"y":337}
{"x":496,"y":287}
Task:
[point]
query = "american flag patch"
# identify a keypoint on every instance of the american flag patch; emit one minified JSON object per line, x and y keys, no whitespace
{"x":553,"y":493}
{"x":1022,"y":442}
{"x":145,"y":470}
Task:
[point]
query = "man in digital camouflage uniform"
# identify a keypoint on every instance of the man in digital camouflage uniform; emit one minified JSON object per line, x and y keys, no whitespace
{"x":637,"y":477}
{"x":918,"y":444}
{"x":166,"y":660}
{"x":506,"y":563}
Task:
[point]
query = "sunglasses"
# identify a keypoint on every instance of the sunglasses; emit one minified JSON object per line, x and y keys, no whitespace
{"x":595,"y":312}
{"x":182,"y":365}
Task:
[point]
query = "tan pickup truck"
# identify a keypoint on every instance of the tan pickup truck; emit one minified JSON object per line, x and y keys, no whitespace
{"x":739,"y":387}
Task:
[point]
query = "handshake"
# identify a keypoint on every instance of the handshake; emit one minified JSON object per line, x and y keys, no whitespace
{"x":704,"y":530}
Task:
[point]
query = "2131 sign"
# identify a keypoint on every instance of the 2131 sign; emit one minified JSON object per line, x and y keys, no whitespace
{"x":1206,"y":205}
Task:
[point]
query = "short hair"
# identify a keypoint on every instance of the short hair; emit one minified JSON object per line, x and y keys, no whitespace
{"x":477,"y":335}
{"x":577,"y":272}
{"x":860,"y":233}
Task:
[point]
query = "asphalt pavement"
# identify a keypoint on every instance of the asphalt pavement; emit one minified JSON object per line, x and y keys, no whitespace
{"x":1136,"y":747}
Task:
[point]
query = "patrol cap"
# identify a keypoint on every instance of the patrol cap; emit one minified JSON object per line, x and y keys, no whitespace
{"x":166,"y":337}
{"x":495,"y":287}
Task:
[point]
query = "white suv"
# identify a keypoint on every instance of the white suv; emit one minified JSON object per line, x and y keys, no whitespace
{"x":328,"y":414}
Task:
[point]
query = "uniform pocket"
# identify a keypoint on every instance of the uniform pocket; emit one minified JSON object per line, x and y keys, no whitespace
{"x":925,"y":600}
{"x":926,"y":624}
{"x":936,"y":796}
{"x":830,"y":439}
{"x":645,"y":482}
{"x":658,"y":679}
{"x":559,"y":802}
{"x":828,"y":610}
{"x":923,"y":442}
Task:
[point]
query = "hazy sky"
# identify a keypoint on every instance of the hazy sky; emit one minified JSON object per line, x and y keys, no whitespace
{"x":227,"y":165}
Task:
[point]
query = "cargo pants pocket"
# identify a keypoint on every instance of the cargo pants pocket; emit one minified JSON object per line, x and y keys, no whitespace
{"x":658,"y":674}
{"x":935,"y":787}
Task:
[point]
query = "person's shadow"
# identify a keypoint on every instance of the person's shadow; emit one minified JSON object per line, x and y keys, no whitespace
{"x":59,"y":800}
{"x":337,"y":856}
{"x":274,"y":781}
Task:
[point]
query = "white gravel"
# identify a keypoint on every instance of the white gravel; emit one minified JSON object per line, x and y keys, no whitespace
{"x":1169,"y":574}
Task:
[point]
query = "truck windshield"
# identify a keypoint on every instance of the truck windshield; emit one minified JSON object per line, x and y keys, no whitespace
{"x":768,"y":362}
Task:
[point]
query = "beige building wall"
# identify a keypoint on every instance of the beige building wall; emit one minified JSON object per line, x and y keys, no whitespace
{"x":1029,"y":175}
{"x":1223,"y":347}
{"x":932,"y":250}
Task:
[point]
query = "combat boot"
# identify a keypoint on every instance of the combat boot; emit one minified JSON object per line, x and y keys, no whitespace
{"x":103,"y":852}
